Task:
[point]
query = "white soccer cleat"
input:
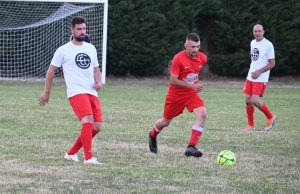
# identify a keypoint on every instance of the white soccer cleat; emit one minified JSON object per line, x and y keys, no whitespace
{"x":93,"y":160}
{"x":270,"y":123}
{"x":71,"y":157}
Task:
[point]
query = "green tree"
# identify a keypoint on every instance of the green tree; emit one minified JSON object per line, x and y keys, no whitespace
{"x":229,"y":37}
{"x":136,"y":38}
{"x":286,"y":37}
{"x":228,"y":27}
{"x":144,"y":35}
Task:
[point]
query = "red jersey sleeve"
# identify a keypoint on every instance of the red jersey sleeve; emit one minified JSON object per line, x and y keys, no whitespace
{"x":175,"y":68}
{"x":203,"y":58}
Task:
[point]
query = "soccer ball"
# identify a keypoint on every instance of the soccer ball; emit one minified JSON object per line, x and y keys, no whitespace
{"x":226,"y":158}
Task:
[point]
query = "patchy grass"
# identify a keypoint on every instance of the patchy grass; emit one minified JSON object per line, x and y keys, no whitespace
{"x":34,"y":140}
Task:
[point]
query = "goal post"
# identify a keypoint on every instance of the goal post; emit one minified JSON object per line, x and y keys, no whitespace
{"x":31,"y":31}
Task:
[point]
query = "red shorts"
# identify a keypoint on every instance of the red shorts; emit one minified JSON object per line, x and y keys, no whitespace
{"x":175,"y":106}
{"x":256,"y":88}
{"x":86,"y":104}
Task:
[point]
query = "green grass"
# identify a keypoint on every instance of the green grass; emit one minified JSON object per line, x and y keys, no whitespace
{"x":34,"y":139}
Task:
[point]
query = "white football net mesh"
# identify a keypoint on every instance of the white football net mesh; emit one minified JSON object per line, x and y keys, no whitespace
{"x":30,"y":32}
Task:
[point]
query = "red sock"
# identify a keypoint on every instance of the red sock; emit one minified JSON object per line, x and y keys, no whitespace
{"x":94,"y":133}
{"x":86,"y":140}
{"x":155,"y":131}
{"x":266,"y":111}
{"x":78,"y":145}
{"x":195,"y":135}
{"x":250,"y":115}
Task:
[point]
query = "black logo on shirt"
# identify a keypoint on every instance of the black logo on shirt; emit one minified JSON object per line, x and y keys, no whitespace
{"x":83,"y":61}
{"x":255,"y":54}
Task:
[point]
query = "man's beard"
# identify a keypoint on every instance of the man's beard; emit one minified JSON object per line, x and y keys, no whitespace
{"x":79,"y":38}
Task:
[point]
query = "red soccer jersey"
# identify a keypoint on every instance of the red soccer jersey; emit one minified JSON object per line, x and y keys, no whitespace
{"x":188,"y":70}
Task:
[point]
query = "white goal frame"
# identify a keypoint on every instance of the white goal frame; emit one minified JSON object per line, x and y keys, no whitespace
{"x":105,"y":19}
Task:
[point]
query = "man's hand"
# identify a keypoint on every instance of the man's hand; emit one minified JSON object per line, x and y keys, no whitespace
{"x":44,"y":99}
{"x":197,"y":87}
{"x":255,"y":74}
{"x":97,"y":86}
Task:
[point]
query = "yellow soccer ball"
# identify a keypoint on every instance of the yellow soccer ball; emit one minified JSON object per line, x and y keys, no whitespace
{"x":226,"y":158}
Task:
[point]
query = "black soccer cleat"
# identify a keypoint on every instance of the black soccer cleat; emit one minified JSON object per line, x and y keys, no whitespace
{"x":152,"y":144}
{"x":192,"y":151}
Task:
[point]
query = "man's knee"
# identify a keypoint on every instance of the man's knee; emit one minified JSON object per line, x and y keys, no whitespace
{"x":255,"y":100}
{"x":97,"y":126}
{"x":248,"y":100}
{"x":87,"y":119}
{"x":201,"y":113}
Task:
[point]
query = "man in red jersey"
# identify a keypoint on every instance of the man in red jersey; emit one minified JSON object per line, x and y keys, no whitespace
{"x":183,"y":93}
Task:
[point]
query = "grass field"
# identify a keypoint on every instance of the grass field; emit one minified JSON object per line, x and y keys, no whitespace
{"x":34,"y":139}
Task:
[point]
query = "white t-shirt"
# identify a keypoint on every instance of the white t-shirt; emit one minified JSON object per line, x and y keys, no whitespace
{"x":78,"y":64}
{"x":260,"y":53}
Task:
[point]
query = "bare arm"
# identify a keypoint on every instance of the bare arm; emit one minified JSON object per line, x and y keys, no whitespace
{"x":44,"y":99}
{"x":181,"y":84}
{"x":269,"y":66}
{"x":98,"y":78}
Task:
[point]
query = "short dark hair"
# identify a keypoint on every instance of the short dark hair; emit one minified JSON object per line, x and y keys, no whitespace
{"x":193,"y":37}
{"x":77,"y":20}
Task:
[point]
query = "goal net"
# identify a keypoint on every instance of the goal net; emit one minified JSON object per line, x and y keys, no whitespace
{"x":32,"y":30}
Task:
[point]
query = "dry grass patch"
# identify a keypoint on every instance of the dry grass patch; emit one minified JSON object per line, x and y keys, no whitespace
{"x":35,"y":139}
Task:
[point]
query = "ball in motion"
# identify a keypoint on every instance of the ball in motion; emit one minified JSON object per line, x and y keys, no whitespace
{"x":226,"y":158}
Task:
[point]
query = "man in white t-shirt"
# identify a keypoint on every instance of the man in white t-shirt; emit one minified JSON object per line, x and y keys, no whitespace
{"x":262,"y":60}
{"x":83,"y":78}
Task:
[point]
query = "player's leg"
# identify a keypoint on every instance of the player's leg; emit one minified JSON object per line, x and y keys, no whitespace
{"x":86,"y":135}
{"x":97,"y":114}
{"x":159,"y":125}
{"x":81,"y":106}
{"x":171,"y":110}
{"x":87,"y":132}
{"x":249,"y":113}
{"x":249,"y":106}
{"x":259,"y":90}
{"x":75,"y":103}
{"x":78,"y":145}
{"x":198,"y":127}
{"x":97,"y":125}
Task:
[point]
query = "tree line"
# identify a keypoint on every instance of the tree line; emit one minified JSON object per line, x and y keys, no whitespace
{"x":144,"y":35}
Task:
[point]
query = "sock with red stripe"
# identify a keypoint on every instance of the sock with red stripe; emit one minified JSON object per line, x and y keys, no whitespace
{"x":195,"y":135}
{"x":155,"y":131}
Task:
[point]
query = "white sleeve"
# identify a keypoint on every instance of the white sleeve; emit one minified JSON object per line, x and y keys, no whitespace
{"x":271,"y":52}
{"x":57,"y":59}
{"x":96,"y":64}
